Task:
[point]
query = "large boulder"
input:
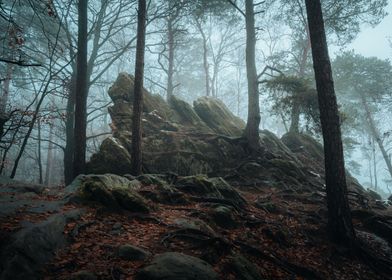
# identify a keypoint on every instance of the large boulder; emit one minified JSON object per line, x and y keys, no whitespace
{"x":177,"y":266}
{"x":218,"y":117}
{"x":205,"y":187}
{"x":112,"y":157}
{"x":187,"y":115}
{"x":122,"y":92}
{"x":110,"y":190}
{"x":33,"y":246}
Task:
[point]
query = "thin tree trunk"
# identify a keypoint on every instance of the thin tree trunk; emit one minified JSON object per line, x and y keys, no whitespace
{"x":170,"y":69}
{"x":69,"y":132}
{"x":79,"y":160}
{"x":374,"y":165}
{"x":296,"y":111}
{"x":376,"y":134}
{"x":27,"y":136}
{"x":251,"y":132}
{"x":39,"y":153}
{"x":340,"y":225}
{"x":4,"y":99}
{"x":370,"y":172}
{"x":49,"y":158}
{"x":138,"y":91}
{"x":6,"y":90}
{"x":205,"y":58}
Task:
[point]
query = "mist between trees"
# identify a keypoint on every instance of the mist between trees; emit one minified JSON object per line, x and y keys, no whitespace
{"x":192,"y":49}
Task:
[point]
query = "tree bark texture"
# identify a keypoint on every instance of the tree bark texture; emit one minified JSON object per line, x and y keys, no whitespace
{"x":251,"y":132}
{"x":138,"y":91}
{"x":69,"y":132}
{"x":340,"y":225}
{"x":79,"y":160}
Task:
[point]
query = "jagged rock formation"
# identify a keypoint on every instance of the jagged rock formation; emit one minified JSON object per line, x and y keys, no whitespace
{"x":177,"y":137}
{"x":206,"y":139}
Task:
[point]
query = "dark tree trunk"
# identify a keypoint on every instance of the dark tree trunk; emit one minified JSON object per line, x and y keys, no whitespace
{"x":340,"y":225}
{"x":69,"y":132}
{"x":138,"y":91}
{"x":49,"y":158}
{"x":40,"y":180}
{"x":79,"y":160}
{"x":251,"y":132}
{"x":4,"y":99}
{"x":170,"y":69}
{"x":374,"y":165}
{"x":27,"y":136}
{"x":295,"y":110}
{"x":205,"y":57}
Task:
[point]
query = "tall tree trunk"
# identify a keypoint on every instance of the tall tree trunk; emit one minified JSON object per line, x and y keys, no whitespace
{"x":205,"y":57}
{"x":27,"y":136}
{"x":295,"y":110}
{"x":374,"y":165}
{"x":170,"y":69}
{"x":49,"y":158}
{"x":69,"y":132}
{"x":4,"y":99}
{"x":340,"y":225}
{"x":251,"y":132}
{"x":79,"y":160}
{"x":40,"y":180}
{"x":375,"y":133}
{"x":138,"y":91}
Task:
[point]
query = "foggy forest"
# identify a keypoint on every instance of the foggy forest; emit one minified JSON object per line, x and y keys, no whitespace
{"x":195,"y":140}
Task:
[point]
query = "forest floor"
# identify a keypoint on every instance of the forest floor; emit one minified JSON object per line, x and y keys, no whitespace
{"x":281,"y":233}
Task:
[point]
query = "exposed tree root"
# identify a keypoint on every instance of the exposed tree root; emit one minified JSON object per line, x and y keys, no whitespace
{"x":283,"y":264}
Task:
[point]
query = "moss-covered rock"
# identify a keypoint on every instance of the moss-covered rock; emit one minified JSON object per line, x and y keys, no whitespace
{"x":110,"y":190}
{"x":203,"y":186}
{"x":298,"y":142}
{"x":176,"y":266}
{"x":218,"y":117}
{"x":122,"y":90}
{"x":187,"y":115}
{"x":243,"y":268}
{"x":132,"y":253}
{"x":223,"y":216}
{"x":111,"y":158}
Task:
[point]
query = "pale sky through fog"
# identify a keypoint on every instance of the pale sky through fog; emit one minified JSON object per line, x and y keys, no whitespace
{"x":374,"y":41}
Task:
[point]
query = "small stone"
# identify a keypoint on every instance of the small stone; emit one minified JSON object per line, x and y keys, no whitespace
{"x":223,"y":217}
{"x":132,"y":253}
{"x":117,"y":226}
{"x":84,"y":275}
{"x":174,"y":265}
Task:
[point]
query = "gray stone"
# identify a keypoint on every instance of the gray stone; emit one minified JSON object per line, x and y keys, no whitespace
{"x":195,"y":224}
{"x":110,"y":190}
{"x":216,"y":187}
{"x":83,"y":275}
{"x":132,"y":253}
{"x":223,"y":217}
{"x":177,"y":266}
{"x":244,"y":269}
{"x":32,"y":247}
{"x":112,"y":157}
{"x":218,"y":117}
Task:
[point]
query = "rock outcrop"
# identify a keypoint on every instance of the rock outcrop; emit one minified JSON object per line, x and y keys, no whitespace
{"x":206,"y":139}
{"x":112,"y":191}
{"x":177,"y":137}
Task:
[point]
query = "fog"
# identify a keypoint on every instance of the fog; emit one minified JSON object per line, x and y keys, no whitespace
{"x":208,"y":46}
